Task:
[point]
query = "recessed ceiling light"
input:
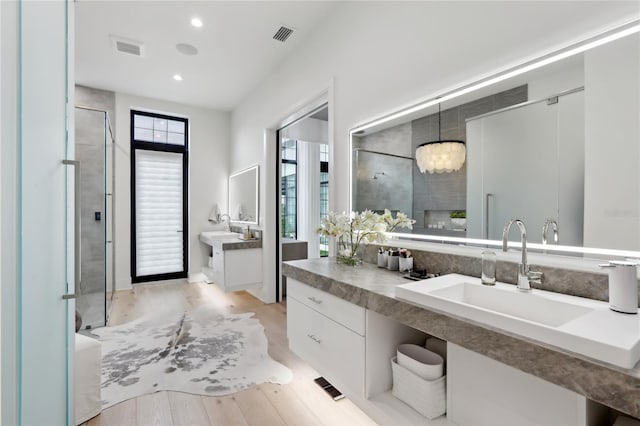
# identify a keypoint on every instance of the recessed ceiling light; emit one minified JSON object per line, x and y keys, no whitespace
{"x":196,"y":22}
{"x":177,"y":77}
{"x":186,"y":49}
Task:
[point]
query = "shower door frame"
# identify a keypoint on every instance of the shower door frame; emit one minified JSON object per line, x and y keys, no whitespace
{"x":109,"y":199}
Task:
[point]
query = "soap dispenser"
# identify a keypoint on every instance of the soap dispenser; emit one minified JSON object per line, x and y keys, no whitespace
{"x":623,"y":286}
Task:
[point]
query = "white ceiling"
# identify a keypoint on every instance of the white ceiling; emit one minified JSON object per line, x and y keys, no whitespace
{"x":236,"y":49}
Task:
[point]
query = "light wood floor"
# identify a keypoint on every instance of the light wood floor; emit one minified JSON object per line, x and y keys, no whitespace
{"x":300,"y":402}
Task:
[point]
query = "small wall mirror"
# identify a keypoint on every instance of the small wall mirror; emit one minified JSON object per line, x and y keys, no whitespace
{"x":243,"y":196}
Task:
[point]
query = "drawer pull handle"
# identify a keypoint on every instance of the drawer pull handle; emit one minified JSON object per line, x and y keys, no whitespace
{"x":314,"y":300}
{"x":314,"y":338}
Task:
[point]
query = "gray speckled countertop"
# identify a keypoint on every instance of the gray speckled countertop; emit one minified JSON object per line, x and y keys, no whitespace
{"x":233,"y":243}
{"x":238,"y":244}
{"x":374,"y":288}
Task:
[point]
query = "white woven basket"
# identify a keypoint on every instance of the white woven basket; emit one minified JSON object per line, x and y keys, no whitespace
{"x":427,"y":397}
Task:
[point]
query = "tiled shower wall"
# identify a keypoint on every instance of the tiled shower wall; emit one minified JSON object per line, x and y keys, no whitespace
{"x":90,"y":151}
{"x":383,"y":182}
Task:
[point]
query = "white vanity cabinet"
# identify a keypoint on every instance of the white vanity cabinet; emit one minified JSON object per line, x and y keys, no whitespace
{"x":351,"y":347}
{"x":234,"y":270}
{"x":482,"y":391}
{"x":328,"y":333}
{"x":492,"y":378}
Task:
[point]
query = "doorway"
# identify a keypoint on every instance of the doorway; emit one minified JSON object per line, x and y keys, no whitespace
{"x":303,"y":185}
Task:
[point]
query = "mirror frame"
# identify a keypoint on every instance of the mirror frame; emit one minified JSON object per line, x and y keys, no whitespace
{"x":257,"y":221}
{"x":404,"y":113}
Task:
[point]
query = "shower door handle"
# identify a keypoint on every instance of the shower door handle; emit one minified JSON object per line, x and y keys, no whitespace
{"x":76,"y":228}
{"x":488,"y":196}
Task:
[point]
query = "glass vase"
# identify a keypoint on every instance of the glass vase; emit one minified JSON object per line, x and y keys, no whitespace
{"x":353,"y":260}
{"x":346,"y":253}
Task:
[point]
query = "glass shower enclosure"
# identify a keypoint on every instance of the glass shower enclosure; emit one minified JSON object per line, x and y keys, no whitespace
{"x":95,"y":150}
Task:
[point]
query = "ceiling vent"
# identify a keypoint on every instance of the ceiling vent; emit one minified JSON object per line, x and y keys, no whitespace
{"x":282,"y":34}
{"x":124,"y":45}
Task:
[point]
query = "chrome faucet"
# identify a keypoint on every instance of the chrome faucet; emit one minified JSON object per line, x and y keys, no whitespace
{"x":525,"y":275}
{"x":227,"y":222}
{"x":545,"y":230}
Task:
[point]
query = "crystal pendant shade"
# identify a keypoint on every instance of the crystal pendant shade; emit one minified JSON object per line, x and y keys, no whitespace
{"x":441,"y":156}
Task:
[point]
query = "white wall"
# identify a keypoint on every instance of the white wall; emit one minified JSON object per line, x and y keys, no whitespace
{"x":0,"y":263}
{"x":208,"y":174}
{"x":612,"y":150}
{"x":556,"y":78}
{"x":308,"y":130}
{"x":378,"y":56}
{"x":308,"y":206}
{"x":8,"y":98}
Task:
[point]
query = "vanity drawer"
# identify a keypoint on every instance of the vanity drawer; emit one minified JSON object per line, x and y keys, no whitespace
{"x":334,"y":351}
{"x":341,"y":311}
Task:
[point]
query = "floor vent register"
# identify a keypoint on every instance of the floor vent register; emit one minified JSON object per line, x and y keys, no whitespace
{"x":328,"y":388}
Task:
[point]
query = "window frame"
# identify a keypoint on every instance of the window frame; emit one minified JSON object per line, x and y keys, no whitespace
{"x":162,"y":147}
{"x":294,"y":163}
{"x":324,"y":168}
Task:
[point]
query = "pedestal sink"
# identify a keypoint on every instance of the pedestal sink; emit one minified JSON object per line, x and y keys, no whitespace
{"x":584,"y":326}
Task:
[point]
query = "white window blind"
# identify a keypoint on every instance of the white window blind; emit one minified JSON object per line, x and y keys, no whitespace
{"x":158,"y":186}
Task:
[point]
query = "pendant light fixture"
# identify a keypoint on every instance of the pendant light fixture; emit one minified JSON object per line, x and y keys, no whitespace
{"x":441,"y":156}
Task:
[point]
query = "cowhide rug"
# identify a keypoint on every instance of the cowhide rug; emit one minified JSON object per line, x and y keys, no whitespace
{"x":202,"y":352}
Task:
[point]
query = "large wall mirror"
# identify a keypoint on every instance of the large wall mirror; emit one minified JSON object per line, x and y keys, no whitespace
{"x":555,"y":141}
{"x":243,"y":196}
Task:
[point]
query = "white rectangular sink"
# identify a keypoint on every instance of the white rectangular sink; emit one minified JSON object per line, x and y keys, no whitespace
{"x":584,"y":326}
{"x":526,"y":306}
{"x":210,"y":237}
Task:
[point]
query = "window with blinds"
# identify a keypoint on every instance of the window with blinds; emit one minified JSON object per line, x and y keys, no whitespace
{"x":159,"y":187}
{"x":158,"y":212}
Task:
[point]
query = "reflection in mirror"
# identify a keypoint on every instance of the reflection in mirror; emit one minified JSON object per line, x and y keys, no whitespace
{"x":383,"y":181}
{"x":528,"y":163}
{"x":243,"y":196}
{"x":560,"y":143}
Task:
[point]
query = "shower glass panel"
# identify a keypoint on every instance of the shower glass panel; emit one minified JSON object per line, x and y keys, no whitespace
{"x":109,"y":184}
{"x":382,"y":181}
{"x":94,"y":150}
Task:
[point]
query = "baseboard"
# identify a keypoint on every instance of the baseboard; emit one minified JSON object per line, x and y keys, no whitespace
{"x":197,"y":277}
{"x":259,"y":293}
{"x":123,"y":284}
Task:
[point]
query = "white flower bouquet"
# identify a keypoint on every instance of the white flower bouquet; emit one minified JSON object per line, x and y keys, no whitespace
{"x":400,"y":221}
{"x":355,"y":228}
